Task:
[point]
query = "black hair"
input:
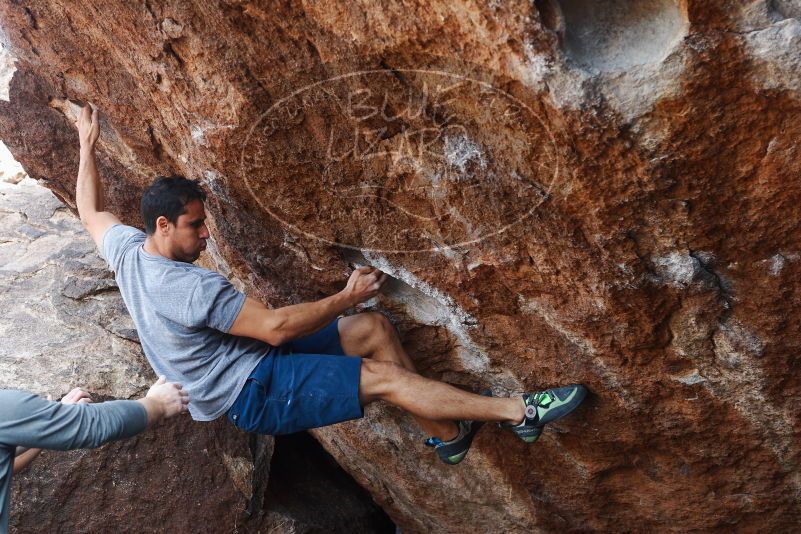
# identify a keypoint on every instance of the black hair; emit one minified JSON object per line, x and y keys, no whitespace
{"x":168,"y":196}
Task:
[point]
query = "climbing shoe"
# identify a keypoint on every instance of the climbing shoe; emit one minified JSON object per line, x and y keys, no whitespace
{"x":546,"y":407}
{"x":452,"y":452}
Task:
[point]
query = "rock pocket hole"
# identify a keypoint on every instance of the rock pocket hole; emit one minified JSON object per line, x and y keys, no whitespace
{"x":613,"y":35}
{"x":309,"y":492}
{"x":785,"y":9}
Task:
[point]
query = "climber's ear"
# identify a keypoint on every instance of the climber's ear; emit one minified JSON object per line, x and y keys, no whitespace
{"x":162,"y":225}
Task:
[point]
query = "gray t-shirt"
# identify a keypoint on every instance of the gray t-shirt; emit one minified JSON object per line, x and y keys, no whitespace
{"x":182,"y":314}
{"x":33,"y":422}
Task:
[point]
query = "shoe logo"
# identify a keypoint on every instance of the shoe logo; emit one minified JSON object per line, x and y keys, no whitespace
{"x":531,"y":412}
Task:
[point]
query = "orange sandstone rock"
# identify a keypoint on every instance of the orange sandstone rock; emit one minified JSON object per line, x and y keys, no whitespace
{"x":564,"y":191}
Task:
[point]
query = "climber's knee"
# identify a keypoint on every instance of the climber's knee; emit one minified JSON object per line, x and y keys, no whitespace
{"x":365,"y":334}
{"x":380,"y":380}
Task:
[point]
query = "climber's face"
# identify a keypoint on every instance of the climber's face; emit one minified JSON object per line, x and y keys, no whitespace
{"x":187,"y":237}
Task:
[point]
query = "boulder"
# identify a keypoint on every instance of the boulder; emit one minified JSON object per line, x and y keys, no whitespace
{"x":563,"y":191}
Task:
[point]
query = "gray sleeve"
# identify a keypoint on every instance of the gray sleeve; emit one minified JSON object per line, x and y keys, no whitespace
{"x":116,"y":240}
{"x":6,"y":472}
{"x":214,"y":303}
{"x":27,"y":420}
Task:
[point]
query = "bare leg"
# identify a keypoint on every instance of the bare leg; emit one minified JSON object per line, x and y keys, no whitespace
{"x":435,"y":405}
{"x":372,"y":336}
{"x":431,"y":400}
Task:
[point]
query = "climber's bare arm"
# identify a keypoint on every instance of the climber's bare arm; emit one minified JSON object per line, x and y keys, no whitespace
{"x":88,"y":191}
{"x":291,"y":322}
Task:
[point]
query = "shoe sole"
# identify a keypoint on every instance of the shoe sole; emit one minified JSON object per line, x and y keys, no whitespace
{"x":532,"y":438}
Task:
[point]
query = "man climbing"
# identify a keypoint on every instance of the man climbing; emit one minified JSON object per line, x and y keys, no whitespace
{"x":275,"y":371}
{"x":29,"y":423}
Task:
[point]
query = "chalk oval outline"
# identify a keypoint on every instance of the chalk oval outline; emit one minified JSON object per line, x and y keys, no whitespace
{"x":460,"y":245}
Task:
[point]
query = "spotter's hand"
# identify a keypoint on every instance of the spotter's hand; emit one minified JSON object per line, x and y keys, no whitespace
{"x":172,"y":398}
{"x":76,"y":396}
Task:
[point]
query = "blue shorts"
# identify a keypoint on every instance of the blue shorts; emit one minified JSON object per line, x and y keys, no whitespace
{"x":303,"y":384}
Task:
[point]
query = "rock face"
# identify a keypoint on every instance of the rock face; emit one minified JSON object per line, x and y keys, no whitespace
{"x":564,"y":191}
{"x":61,"y":310}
